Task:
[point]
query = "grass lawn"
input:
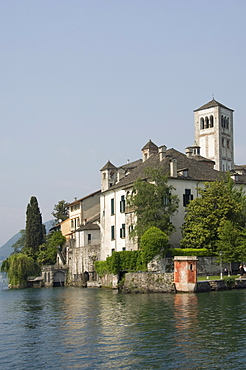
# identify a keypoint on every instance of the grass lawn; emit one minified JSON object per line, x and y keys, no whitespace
{"x":199,"y":278}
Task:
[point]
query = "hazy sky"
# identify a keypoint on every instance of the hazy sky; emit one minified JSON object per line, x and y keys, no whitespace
{"x":87,"y":81}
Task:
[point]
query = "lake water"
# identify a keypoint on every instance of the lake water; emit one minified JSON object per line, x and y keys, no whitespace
{"x":76,"y":328}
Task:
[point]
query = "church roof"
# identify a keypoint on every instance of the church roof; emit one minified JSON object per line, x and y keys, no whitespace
{"x":108,"y":166}
{"x":197,"y":169}
{"x":211,"y":104}
{"x":130,"y":165}
{"x":150,"y":145}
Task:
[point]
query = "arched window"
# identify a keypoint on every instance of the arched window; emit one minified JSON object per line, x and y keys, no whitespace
{"x":206,"y":122}
{"x":222,"y":121}
{"x":202,"y":123}
{"x":211,"y":119}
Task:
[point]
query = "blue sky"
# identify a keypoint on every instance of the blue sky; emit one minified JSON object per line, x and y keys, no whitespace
{"x":87,"y":81}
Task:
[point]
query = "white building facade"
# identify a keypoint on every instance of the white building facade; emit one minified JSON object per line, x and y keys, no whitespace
{"x":212,"y":153}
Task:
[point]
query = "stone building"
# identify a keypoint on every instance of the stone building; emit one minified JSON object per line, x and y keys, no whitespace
{"x":101,"y":222}
{"x":214,"y":134}
{"x":211,"y":154}
{"x":82,"y":248}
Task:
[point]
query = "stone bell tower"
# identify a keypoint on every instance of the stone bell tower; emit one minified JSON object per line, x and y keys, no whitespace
{"x":214,"y":134}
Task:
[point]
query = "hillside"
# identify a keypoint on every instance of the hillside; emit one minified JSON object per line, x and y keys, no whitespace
{"x":7,"y":249}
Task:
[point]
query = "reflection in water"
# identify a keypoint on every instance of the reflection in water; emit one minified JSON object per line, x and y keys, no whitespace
{"x":99,"y":329}
{"x":186,"y":325}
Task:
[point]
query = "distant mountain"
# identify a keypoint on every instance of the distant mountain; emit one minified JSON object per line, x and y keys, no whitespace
{"x":7,"y":249}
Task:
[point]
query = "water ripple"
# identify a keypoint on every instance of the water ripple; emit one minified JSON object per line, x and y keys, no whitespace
{"x":69,"y":328}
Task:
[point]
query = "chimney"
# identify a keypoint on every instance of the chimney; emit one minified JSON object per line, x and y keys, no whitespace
{"x":162,"y":152}
{"x":173,"y":168}
{"x":188,"y":151}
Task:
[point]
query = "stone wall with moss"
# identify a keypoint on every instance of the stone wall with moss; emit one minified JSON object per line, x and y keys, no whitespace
{"x":148,"y":282}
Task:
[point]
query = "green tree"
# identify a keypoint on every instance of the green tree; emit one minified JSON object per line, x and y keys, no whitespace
{"x":229,"y":241}
{"x":34,"y":228}
{"x":18,"y":267}
{"x":153,"y":203}
{"x":47,"y":253}
{"x":232,"y":242}
{"x":153,"y":242}
{"x":60,"y":211}
{"x":218,"y":201}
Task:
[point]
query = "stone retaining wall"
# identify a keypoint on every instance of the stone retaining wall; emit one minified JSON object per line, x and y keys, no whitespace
{"x":205,"y":265}
{"x":109,"y":281}
{"x":148,"y":282}
{"x":212,"y":285}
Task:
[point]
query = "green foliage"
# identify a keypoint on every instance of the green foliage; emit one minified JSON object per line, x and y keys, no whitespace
{"x":231,"y":242}
{"x":153,"y":242}
{"x":229,"y":281}
{"x":19,"y":244}
{"x":47,"y":253}
{"x":102,"y":268}
{"x":153,"y":203}
{"x":125,"y":261}
{"x":219,"y":201}
{"x":34,"y":228}
{"x":18,"y":267}
{"x":60,"y":211}
{"x":201,"y":252}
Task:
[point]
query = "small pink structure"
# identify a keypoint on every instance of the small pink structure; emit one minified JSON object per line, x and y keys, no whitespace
{"x":185,"y":273}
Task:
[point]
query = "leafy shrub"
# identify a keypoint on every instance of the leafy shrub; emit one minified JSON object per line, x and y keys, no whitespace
{"x":201,"y":252}
{"x":153,"y":242}
{"x":125,"y":261}
{"x":102,"y":268}
{"x":229,"y":281}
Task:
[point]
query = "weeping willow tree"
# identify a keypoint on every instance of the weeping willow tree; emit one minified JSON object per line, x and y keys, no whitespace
{"x":18,"y":267}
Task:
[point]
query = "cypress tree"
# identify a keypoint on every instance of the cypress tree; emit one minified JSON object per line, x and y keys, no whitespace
{"x":34,"y":228}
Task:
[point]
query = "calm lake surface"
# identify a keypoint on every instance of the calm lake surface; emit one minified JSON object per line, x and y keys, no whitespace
{"x":75,"y":328}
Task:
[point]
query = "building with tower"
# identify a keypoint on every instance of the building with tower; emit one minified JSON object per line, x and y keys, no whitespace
{"x":214,"y":134}
{"x":101,"y":222}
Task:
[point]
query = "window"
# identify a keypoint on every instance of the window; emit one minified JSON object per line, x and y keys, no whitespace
{"x":211,"y":119}
{"x":187,"y":197}
{"x":112,"y":250}
{"x":89,"y":238}
{"x":166,"y":199}
{"x":112,"y":233}
{"x":112,"y":206}
{"x":123,"y":231}
{"x":123,"y":249}
{"x":202,"y":123}
{"x":222,"y":121}
{"x":122,"y":204}
{"x":228,"y":144}
{"x":130,"y":228}
{"x":206,"y":122}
